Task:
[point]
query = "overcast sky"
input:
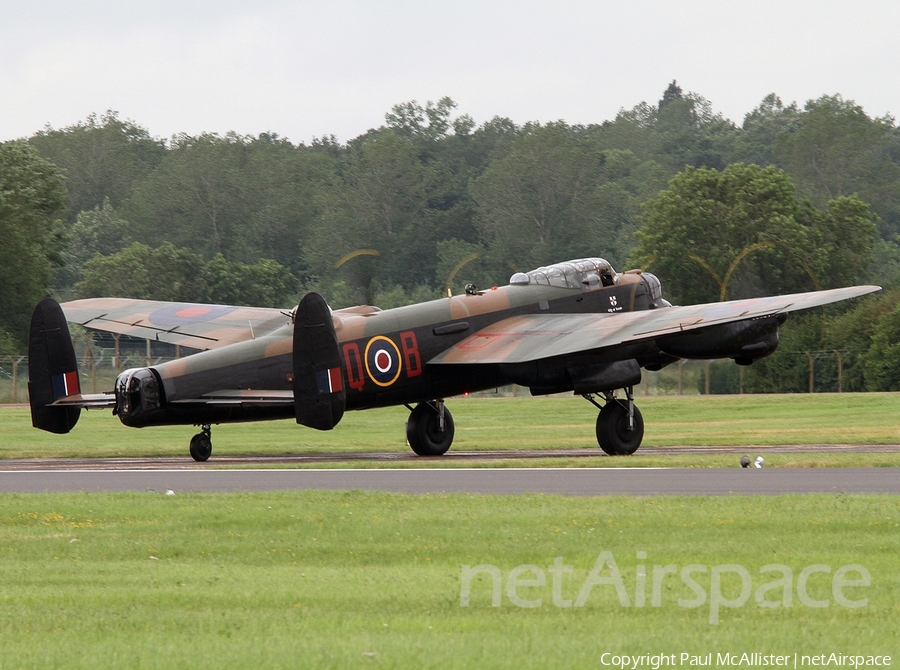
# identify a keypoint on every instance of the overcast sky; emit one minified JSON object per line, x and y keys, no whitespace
{"x":309,"y":68}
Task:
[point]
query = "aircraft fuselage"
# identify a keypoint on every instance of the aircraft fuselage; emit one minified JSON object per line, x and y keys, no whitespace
{"x":384,"y":353}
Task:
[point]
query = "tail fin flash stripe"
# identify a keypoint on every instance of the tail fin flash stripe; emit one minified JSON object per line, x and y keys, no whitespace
{"x":329,"y":381}
{"x":65,"y":384}
{"x":323,"y":381}
{"x":337,"y":384}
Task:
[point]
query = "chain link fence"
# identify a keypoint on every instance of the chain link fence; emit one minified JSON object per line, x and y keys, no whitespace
{"x":97,"y":374}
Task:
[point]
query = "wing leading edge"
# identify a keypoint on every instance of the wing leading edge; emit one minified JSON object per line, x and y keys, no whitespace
{"x":532,"y":337}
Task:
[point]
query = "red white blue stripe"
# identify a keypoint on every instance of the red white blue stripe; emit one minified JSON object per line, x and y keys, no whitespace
{"x":65,"y":384}
{"x":329,"y":381}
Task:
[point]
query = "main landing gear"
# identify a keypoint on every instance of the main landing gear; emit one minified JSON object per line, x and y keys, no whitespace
{"x":201,"y":444}
{"x":429,"y":429}
{"x":620,"y":426}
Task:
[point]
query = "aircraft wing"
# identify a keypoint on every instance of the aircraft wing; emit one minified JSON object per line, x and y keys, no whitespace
{"x":531,"y":337}
{"x":187,"y":324}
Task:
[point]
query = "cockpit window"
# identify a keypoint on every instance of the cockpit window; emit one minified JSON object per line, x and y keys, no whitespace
{"x":558,"y":277}
{"x":539,"y":277}
{"x":583,"y":273}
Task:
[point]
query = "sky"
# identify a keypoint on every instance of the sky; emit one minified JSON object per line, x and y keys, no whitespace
{"x":305,"y":69}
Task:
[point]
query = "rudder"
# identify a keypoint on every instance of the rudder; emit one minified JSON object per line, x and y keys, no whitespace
{"x":52,"y":369}
{"x":319,"y":394}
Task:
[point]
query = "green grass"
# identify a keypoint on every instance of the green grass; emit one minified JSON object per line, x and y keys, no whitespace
{"x":330,"y":579}
{"x":495,"y":423}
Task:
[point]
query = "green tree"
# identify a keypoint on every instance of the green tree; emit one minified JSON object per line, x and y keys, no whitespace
{"x":196,"y":198}
{"x":698,"y":227}
{"x":835,"y":149}
{"x":787,"y":370}
{"x":408,"y":120}
{"x":615,"y":204}
{"x":762,"y":128}
{"x":682,"y":129}
{"x":173,"y":274}
{"x":380,"y":199}
{"x":534,"y":204}
{"x":283,"y":187}
{"x":265,"y":283}
{"x":851,"y":334}
{"x":97,"y":231}
{"x":742,"y":232}
{"x":458,"y":152}
{"x":101,"y":158}
{"x":842,"y":239}
{"x":32,"y":202}
{"x":243,"y":197}
{"x":144,"y":273}
{"x":690,"y":133}
{"x":882,"y":362}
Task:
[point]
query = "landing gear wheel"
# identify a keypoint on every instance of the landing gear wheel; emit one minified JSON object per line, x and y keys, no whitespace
{"x":424,"y":432}
{"x":201,"y":445}
{"x":613,"y":433}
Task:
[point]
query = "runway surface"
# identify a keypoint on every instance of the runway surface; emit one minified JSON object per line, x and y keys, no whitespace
{"x":249,"y":461}
{"x":566,"y":481}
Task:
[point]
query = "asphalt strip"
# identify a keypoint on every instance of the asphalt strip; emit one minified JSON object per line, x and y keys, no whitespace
{"x":564,"y":481}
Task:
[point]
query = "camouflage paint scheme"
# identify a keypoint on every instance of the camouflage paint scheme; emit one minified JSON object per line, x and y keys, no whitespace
{"x":562,"y":337}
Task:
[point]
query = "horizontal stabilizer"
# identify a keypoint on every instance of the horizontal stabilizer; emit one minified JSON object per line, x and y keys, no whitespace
{"x":87,"y":401}
{"x":240,"y":398}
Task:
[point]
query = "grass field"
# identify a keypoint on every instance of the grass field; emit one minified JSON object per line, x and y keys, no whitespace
{"x":355,"y":579}
{"x":333,"y":580}
{"x":507,"y":423}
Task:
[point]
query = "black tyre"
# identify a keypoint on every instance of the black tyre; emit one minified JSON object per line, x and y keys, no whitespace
{"x":201,"y":447}
{"x":423,"y":430}
{"x":613,"y":434}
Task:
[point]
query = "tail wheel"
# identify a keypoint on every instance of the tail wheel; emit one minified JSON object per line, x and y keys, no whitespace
{"x":614,"y":434}
{"x":429,"y":429}
{"x":201,"y":446}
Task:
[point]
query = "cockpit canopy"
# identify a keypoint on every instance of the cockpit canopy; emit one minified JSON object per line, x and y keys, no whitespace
{"x":583,"y":273}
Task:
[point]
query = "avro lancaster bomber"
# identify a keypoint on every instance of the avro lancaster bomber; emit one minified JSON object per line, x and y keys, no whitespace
{"x":577,"y":326}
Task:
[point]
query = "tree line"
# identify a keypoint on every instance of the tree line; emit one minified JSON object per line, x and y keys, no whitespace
{"x":792,"y":199}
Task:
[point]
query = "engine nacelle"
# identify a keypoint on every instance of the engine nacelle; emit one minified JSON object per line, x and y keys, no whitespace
{"x":542,"y":377}
{"x":139,"y":396}
{"x":558,"y":376}
{"x":744,"y":341}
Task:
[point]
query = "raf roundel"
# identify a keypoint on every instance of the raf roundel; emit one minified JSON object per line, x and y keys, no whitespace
{"x":382,"y":361}
{"x":186,"y":314}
